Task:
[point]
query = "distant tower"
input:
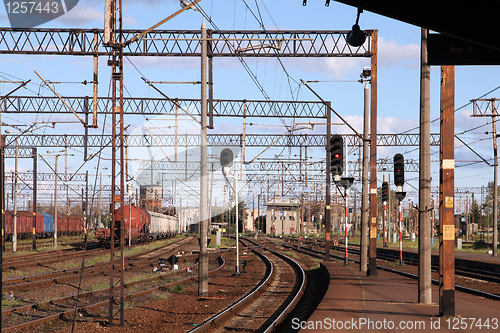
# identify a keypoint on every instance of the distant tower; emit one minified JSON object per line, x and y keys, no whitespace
{"x":151,"y":197}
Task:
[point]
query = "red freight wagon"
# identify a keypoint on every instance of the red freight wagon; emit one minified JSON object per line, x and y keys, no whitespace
{"x":24,"y":224}
{"x":140,"y":220}
{"x":69,"y":224}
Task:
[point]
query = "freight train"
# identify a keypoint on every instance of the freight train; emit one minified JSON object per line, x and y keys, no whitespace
{"x":66,"y":225}
{"x":142,"y":226}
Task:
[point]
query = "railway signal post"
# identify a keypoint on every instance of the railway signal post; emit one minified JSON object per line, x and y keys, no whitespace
{"x":400,"y":195}
{"x":385,"y":198}
{"x":226,"y":161}
{"x":399,"y":180}
{"x":346,"y":182}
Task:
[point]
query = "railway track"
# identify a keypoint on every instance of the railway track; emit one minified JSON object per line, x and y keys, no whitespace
{"x":94,"y":304}
{"x":320,"y":254}
{"x":136,"y":261}
{"x":46,"y":258}
{"x":268,"y":303}
{"x":461,"y":268}
{"x":27,"y":244}
{"x":50,"y":257}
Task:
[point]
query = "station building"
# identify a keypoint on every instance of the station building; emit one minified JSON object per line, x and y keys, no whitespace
{"x":151,"y":197}
{"x":283,"y":216}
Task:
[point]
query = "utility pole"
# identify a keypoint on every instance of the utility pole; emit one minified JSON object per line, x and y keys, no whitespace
{"x":2,"y":194}
{"x":495,"y":185}
{"x":113,"y":38}
{"x":2,"y":211}
{"x":365,"y":212}
{"x":424,"y":213}
{"x":203,"y":270}
{"x":236,"y":223}
{"x":55,"y":204}
{"x":389,"y":210}
{"x":490,"y":105}
{"x":258,"y":211}
{"x":34,"y":155}
{"x":14,"y":233}
{"x":373,"y":161}
{"x":446,"y":185}
{"x":99,"y":217}
{"x":328,"y":182}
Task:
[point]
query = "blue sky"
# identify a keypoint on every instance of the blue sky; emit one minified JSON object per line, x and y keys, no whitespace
{"x":398,"y":85}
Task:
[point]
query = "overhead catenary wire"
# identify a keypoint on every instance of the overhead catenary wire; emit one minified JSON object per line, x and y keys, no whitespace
{"x":456,"y":110}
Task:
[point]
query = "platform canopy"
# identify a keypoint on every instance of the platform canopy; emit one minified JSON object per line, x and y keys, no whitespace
{"x":473,"y":21}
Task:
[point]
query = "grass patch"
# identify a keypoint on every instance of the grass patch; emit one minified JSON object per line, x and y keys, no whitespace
{"x":96,"y":260}
{"x":224,"y":242}
{"x":316,"y":264}
{"x":178,"y":289}
{"x":141,"y":248}
{"x":130,"y":304}
{"x":99,"y":286}
{"x":164,"y":295}
{"x":11,"y":303}
{"x":141,"y":277}
{"x":291,"y":254}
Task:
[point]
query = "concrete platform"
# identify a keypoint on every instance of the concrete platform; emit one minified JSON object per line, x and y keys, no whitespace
{"x":389,"y":303}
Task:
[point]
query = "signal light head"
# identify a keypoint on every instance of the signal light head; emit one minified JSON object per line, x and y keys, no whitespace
{"x":385,"y":191}
{"x":399,"y":170}
{"x":226,"y":157}
{"x":337,"y":155}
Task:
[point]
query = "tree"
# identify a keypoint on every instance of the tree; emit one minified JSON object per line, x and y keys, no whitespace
{"x":475,"y":212}
{"x":488,"y":204}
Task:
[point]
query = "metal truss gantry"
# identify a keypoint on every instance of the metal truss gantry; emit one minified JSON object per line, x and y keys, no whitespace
{"x":192,"y":140}
{"x":89,"y":42}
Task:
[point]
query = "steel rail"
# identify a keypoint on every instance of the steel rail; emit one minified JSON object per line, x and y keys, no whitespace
{"x":411,"y":258}
{"x":61,"y":315}
{"x":66,"y":275}
{"x":320,"y":254}
{"x":233,"y":310}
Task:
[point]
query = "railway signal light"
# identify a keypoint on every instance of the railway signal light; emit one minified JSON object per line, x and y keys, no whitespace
{"x":226,"y":158}
{"x":337,"y":155}
{"x":399,"y":170}
{"x":385,"y":192}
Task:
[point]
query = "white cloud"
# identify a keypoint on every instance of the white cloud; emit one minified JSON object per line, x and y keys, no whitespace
{"x":394,"y":125}
{"x":83,"y":14}
{"x":189,"y":63}
{"x":387,"y":125}
{"x":339,"y":68}
{"x":391,"y":53}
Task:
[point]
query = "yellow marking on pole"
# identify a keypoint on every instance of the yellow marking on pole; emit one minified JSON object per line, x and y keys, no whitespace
{"x":448,"y":232}
{"x":448,"y":203}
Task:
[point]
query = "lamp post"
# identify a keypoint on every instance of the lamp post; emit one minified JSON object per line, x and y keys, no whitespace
{"x":226,"y":160}
{"x":14,"y":179}
{"x":99,"y":217}
{"x":55,"y":191}
{"x":130,"y":192}
{"x":365,"y":214}
{"x":14,"y":233}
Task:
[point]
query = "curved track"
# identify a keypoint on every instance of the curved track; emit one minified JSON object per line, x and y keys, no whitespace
{"x":268,"y":303}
